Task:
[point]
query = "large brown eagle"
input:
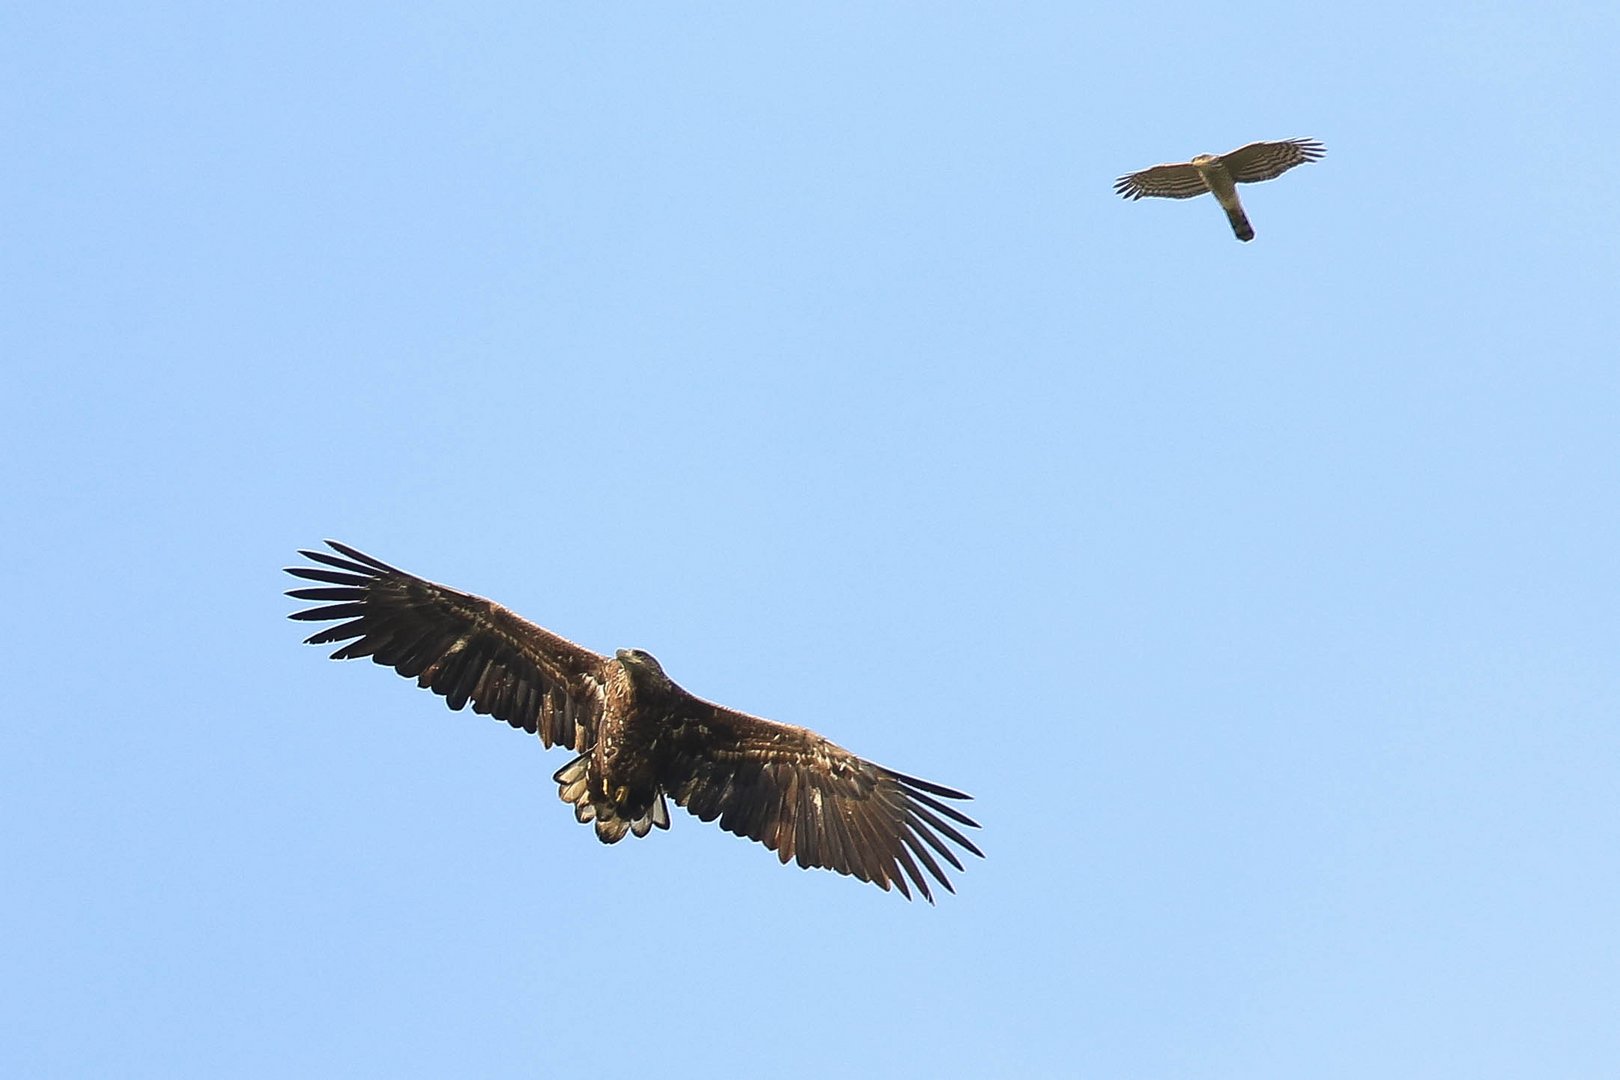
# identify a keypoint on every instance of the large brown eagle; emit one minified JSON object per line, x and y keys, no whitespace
{"x":639,"y":736}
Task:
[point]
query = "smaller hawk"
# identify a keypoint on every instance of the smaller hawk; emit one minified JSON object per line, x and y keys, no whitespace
{"x":1220,"y":174}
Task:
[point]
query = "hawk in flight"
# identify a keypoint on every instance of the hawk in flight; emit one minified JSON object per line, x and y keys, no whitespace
{"x":1221,"y":173}
{"x":638,"y":736}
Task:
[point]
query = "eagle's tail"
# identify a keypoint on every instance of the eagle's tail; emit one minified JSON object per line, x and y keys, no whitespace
{"x":574,"y":787}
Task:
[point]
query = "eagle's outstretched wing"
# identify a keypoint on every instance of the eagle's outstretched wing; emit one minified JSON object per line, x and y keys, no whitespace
{"x":1179,"y":181}
{"x":461,"y":646}
{"x":1269,"y":160}
{"x":808,"y":799}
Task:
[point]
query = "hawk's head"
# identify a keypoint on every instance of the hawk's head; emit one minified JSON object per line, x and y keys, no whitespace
{"x":1203,"y":161}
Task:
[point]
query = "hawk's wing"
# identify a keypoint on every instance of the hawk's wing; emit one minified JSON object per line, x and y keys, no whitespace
{"x":806,"y":798}
{"x":458,"y":645}
{"x":1181,"y":181}
{"x":1268,"y":160}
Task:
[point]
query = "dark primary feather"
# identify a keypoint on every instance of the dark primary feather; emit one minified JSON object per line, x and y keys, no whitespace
{"x":811,"y":800}
{"x":460,"y":646}
{"x":800,"y":795}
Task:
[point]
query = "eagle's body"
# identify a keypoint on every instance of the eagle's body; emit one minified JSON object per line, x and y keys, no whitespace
{"x":639,"y":737}
{"x":615,"y":782}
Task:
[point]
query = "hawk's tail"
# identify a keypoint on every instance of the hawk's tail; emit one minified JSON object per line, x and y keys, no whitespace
{"x":574,"y":787}
{"x":1240,"y":221}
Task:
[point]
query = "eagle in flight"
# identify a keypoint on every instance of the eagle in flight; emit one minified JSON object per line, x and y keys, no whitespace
{"x":639,"y":737}
{"x":1220,"y":174}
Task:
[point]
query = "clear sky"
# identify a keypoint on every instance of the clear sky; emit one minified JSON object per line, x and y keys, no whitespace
{"x":1264,"y":595}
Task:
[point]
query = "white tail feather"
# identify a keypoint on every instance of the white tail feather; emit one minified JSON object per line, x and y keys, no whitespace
{"x":574,"y":787}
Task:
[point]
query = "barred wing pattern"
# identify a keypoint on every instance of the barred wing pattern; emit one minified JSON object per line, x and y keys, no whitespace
{"x":1246,"y":165}
{"x":460,"y":646}
{"x":1269,"y":160}
{"x":808,"y":799}
{"x":1181,"y":181}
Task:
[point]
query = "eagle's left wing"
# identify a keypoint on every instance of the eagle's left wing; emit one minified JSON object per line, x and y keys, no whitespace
{"x":461,"y":646}
{"x":809,"y":799}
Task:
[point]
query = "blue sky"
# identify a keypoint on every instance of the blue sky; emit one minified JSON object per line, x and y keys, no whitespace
{"x":1263,"y":594}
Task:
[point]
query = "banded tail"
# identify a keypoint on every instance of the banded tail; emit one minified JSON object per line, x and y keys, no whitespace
{"x":1240,"y":221}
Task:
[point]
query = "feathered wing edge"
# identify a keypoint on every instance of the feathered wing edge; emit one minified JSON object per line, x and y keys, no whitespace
{"x":1179,"y":181}
{"x":462,"y":647}
{"x":814,"y":802}
{"x":1262,"y":161}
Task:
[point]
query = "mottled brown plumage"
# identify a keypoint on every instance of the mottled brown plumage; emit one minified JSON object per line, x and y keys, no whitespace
{"x":639,"y":737}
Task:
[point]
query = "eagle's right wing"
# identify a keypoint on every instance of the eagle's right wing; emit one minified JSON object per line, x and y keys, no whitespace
{"x":809,"y":799}
{"x":460,"y":646}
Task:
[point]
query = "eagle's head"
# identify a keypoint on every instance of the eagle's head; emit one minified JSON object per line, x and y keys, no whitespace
{"x":645,"y":671}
